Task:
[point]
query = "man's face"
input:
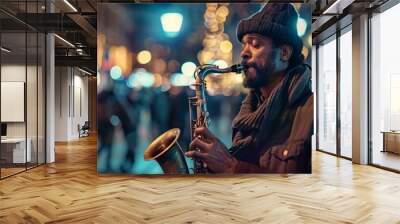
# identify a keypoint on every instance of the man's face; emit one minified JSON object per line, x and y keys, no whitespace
{"x":262,"y":57}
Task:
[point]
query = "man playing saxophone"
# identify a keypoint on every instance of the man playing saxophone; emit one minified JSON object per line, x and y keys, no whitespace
{"x":272,"y":131}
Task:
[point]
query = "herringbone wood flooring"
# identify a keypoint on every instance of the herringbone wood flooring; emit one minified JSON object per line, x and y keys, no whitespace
{"x":70,"y":191}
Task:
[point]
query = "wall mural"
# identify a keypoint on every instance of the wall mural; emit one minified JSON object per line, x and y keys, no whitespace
{"x":204,"y":88}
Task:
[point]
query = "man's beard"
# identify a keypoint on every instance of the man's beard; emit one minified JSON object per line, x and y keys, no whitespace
{"x":262,"y":75}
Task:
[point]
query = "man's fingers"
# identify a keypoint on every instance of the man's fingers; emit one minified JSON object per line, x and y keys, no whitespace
{"x":200,"y":144}
{"x":203,"y":131}
{"x":196,"y":155}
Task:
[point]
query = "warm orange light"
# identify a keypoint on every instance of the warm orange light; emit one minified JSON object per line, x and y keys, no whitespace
{"x":222,"y":11}
{"x":206,"y":56}
{"x":101,"y":40}
{"x":225,"y":46}
{"x":212,"y":6}
{"x":144,"y":57}
{"x":157,"y":80}
{"x":305,"y":52}
{"x":122,"y":57}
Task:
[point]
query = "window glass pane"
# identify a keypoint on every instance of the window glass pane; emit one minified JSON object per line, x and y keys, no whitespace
{"x":31,"y":97}
{"x":41,"y":98}
{"x":346,"y":94}
{"x":327,"y":96}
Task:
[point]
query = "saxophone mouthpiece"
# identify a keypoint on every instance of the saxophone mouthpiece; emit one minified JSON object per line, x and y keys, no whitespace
{"x":238,"y":68}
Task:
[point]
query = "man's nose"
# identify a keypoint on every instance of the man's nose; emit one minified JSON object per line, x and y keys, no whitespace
{"x":245,"y":53}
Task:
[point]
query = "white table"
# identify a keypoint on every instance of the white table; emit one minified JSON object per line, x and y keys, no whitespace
{"x":18,"y":149}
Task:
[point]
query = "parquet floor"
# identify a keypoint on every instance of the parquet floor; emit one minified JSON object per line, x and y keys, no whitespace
{"x":9,"y":171}
{"x":70,"y":191}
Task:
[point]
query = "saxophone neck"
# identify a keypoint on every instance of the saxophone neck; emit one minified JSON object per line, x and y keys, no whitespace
{"x":204,"y":70}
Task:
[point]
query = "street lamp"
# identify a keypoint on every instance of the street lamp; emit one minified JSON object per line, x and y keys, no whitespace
{"x":171,"y":23}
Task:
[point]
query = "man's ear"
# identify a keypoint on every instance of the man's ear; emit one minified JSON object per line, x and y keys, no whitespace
{"x":286,"y":52}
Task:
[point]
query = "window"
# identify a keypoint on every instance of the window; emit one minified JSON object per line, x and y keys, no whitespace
{"x":385,"y":89}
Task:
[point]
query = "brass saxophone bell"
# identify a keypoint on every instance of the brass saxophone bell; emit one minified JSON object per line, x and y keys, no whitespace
{"x":166,"y":150}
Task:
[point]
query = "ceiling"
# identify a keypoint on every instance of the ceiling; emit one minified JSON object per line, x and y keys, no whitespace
{"x":76,"y":22}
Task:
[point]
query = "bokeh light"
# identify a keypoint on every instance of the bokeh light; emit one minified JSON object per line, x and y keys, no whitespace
{"x":132,"y":81}
{"x":188,"y":68}
{"x":179,"y":79}
{"x":122,"y":57}
{"x":305,"y":52}
{"x":166,"y":84}
{"x":205,"y":56}
{"x":144,"y":57}
{"x":225,"y":46}
{"x":221,"y":63}
{"x":222,"y":11}
{"x":115,"y":72}
{"x":301,"y":26}
{"x":157,"y":80}
{"x":101,"y":42}
{"x":114,"y":120}
{"x":171,"y":23}
{"x":141,"y":78}
{"x":146,"y":79}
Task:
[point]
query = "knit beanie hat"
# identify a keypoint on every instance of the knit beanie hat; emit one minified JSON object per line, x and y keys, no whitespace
{"x":277,"y":21}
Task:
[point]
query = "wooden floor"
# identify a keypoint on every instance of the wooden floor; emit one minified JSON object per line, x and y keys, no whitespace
{"x":70,"y":191}
{"x":10,"y":171}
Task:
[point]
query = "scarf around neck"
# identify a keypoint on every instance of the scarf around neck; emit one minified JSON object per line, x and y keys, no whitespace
{"x":258,"y":115}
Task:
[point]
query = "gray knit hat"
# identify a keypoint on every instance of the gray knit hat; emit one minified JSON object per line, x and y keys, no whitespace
{"x":278,"y":21}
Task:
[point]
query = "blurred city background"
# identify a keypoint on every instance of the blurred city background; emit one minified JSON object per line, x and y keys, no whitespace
{"x":147,"y":54}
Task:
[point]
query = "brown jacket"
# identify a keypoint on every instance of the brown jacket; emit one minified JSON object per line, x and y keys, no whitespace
{"x":287,"y":147}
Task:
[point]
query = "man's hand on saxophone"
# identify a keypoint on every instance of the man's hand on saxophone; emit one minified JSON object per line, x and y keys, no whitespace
{"x":212,"y":151}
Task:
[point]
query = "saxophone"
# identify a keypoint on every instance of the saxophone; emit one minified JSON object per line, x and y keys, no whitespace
{"x":165,"y":149}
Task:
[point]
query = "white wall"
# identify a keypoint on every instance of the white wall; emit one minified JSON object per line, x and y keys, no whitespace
{"x":71,"y":94}
{"x":80,"y":110}
{"x":61,"y":103}
{"x":11,"y":73}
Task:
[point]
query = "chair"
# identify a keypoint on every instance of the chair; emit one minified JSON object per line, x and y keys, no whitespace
{"x":84,"y":130}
